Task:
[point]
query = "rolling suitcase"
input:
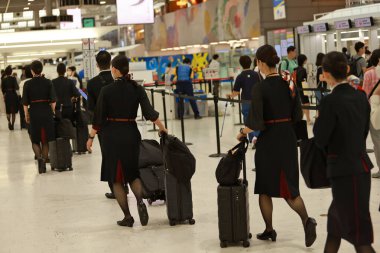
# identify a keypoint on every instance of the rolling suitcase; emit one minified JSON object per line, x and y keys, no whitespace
{"x":153,"y":179}
{"x":60,"y":155}
{"x":80,"y":141}
{"x":233,"y":212}
{"x":179,"y":202}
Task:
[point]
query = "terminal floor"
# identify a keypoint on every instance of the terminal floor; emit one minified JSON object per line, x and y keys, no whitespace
{"x":67,"y":212}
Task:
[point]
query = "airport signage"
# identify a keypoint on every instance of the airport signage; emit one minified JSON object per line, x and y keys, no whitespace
{"x":304,"y":29}
{"x":324,"y":27}
{"x":364,"y":22}
{"x":279,"y":9}
{"x":343,"y":25}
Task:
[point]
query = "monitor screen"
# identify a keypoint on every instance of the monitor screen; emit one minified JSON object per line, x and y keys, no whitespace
{"x":343,"y":24}
{"x":88,"y":22}
{"x":135,"y":12}
{"x":364,"y":22}
{"x":303,"y":29}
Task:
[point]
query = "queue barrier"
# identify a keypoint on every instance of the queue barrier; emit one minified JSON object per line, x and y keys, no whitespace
{"x":216,"y":100}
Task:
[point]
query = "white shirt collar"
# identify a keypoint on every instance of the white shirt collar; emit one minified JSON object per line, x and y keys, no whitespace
{"x":333,"y":88}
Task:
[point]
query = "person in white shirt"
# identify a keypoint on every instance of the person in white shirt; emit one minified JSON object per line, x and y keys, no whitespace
{"x":28,"y":75}
{"x":215,"y":64}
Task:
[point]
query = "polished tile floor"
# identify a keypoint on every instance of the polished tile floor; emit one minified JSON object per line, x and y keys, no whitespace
{"x":67,"y":212}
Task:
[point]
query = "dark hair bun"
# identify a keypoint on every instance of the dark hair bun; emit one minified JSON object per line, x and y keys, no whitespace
{"x":121,"y":63}
{"x":268,"y":55}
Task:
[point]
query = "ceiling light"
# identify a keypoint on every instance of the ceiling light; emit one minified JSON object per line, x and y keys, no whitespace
{"x":103,"y":2}
{"x":26,"y":8}
{"x":30,"y":0}
{"x":29,"y":3}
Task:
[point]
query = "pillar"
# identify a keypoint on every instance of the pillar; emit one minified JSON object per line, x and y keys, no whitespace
{"x":373,"y":40}
{"x":330,"y":38}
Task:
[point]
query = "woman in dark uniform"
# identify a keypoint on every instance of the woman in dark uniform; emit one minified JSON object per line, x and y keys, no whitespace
{"x":275,"y":107}
{"x":9,"y":88}
{"x":39,"y":105}
{"x":114,"y":116}
{"x":342,"y":129}
{"x":302,"y":77}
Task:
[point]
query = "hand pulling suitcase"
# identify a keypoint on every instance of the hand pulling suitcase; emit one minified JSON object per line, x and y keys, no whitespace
{"x":60,"y":155}
{"x":179,"y":202}
{"x":153,"y":179}
{"x":233,"y":213}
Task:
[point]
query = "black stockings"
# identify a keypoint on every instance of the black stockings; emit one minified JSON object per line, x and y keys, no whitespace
{"x":298,"y":206}
{"x":122,"y":197}
{"x":11,"y":118}
{"x":333,"y":245}
{"x":266,"y":207}
{"x":41,"y":151}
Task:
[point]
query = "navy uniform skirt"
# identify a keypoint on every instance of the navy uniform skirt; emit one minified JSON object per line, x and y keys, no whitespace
{"x":349,"y":216}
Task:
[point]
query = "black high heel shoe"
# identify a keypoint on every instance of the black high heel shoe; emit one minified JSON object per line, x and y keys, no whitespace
{"x":126,"y":222}
{"x":41,"y":166}
{"x":143,"y":213}
{"x":266,"y":235}
{"x":310,"y":232}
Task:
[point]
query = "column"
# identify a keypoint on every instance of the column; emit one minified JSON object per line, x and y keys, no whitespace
{"x":339,"y":41}
{"x":48,"y":7}
{"x":330,"y":38}
{"x":373,"y":40}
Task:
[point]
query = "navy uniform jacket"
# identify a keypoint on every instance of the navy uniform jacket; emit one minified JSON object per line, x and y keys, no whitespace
{"x":342,"y":129}
{"x":95,"y":85}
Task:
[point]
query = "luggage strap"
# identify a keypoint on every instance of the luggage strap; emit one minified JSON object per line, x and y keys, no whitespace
{"x":275,"y":121}
{"x":120,"y":120}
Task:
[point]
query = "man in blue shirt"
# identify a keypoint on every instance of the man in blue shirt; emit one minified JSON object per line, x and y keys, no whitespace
{"x":244,"y":83}
{"x":185,"y":85}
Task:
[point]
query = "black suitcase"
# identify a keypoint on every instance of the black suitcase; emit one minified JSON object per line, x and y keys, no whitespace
{"x":60,"y":154}
{"x":153,"y":179}
{"x":179,"y":200}
{"x":233,"y":213}
{"x":80,"y":141}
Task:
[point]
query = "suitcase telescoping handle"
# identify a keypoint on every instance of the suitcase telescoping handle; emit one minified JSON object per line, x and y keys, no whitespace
{"x":244,"y":143}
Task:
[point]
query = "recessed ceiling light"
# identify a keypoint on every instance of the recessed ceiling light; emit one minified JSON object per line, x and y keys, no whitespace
{"x":30,"y":0}
{"x":26,"y":8}
{"x":29,"y":3}
{"x":103,"y":2}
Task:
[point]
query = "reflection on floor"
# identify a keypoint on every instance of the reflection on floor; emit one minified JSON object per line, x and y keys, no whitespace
{"x":67,"y":212}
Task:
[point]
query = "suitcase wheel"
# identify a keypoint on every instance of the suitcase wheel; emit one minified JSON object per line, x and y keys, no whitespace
{"x":246,"y":244}
{"x":72,"y":169}
{"x":223,"y":245}
{"x":191,"y":221}
{"x":250,"y":236}
{"x":172,"y":223}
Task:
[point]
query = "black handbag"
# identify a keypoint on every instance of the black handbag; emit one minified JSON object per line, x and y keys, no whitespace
{"x":64,"y":129}
{"x":228,"y":170}
{"x":150,"y":154}
{"x":300,"y":129}
{"x":313,"y":165}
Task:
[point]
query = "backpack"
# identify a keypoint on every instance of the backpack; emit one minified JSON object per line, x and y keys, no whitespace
{"x":354,"y":66}
{"x":150,"y":154}
{"x":280,"y":66}
{"x":178,"y":159}
{"x":228,"y":170}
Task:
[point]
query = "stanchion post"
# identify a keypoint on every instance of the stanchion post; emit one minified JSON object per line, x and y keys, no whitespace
{"x":240,"y":118}
{"x":218,"y":154}
{"x":152,"y":96}
{"x":181,"y":113}
{"x":164,"y":105}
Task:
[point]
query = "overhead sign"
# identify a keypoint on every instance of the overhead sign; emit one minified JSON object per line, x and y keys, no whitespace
{"x":324,"y":27}
{"x":304,"y":29}
{"x":364,"y":22}
{"x":135,"y":12}
{"x":343,"y":25}
{"x":279,"y":9}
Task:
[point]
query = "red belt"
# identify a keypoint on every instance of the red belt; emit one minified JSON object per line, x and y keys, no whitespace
{"x":275,"y":121}
{"x":120,"y":120}
{"x":40,"y":101}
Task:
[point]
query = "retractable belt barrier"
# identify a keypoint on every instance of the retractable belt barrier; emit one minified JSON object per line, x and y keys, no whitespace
{"x":216,"y":100}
